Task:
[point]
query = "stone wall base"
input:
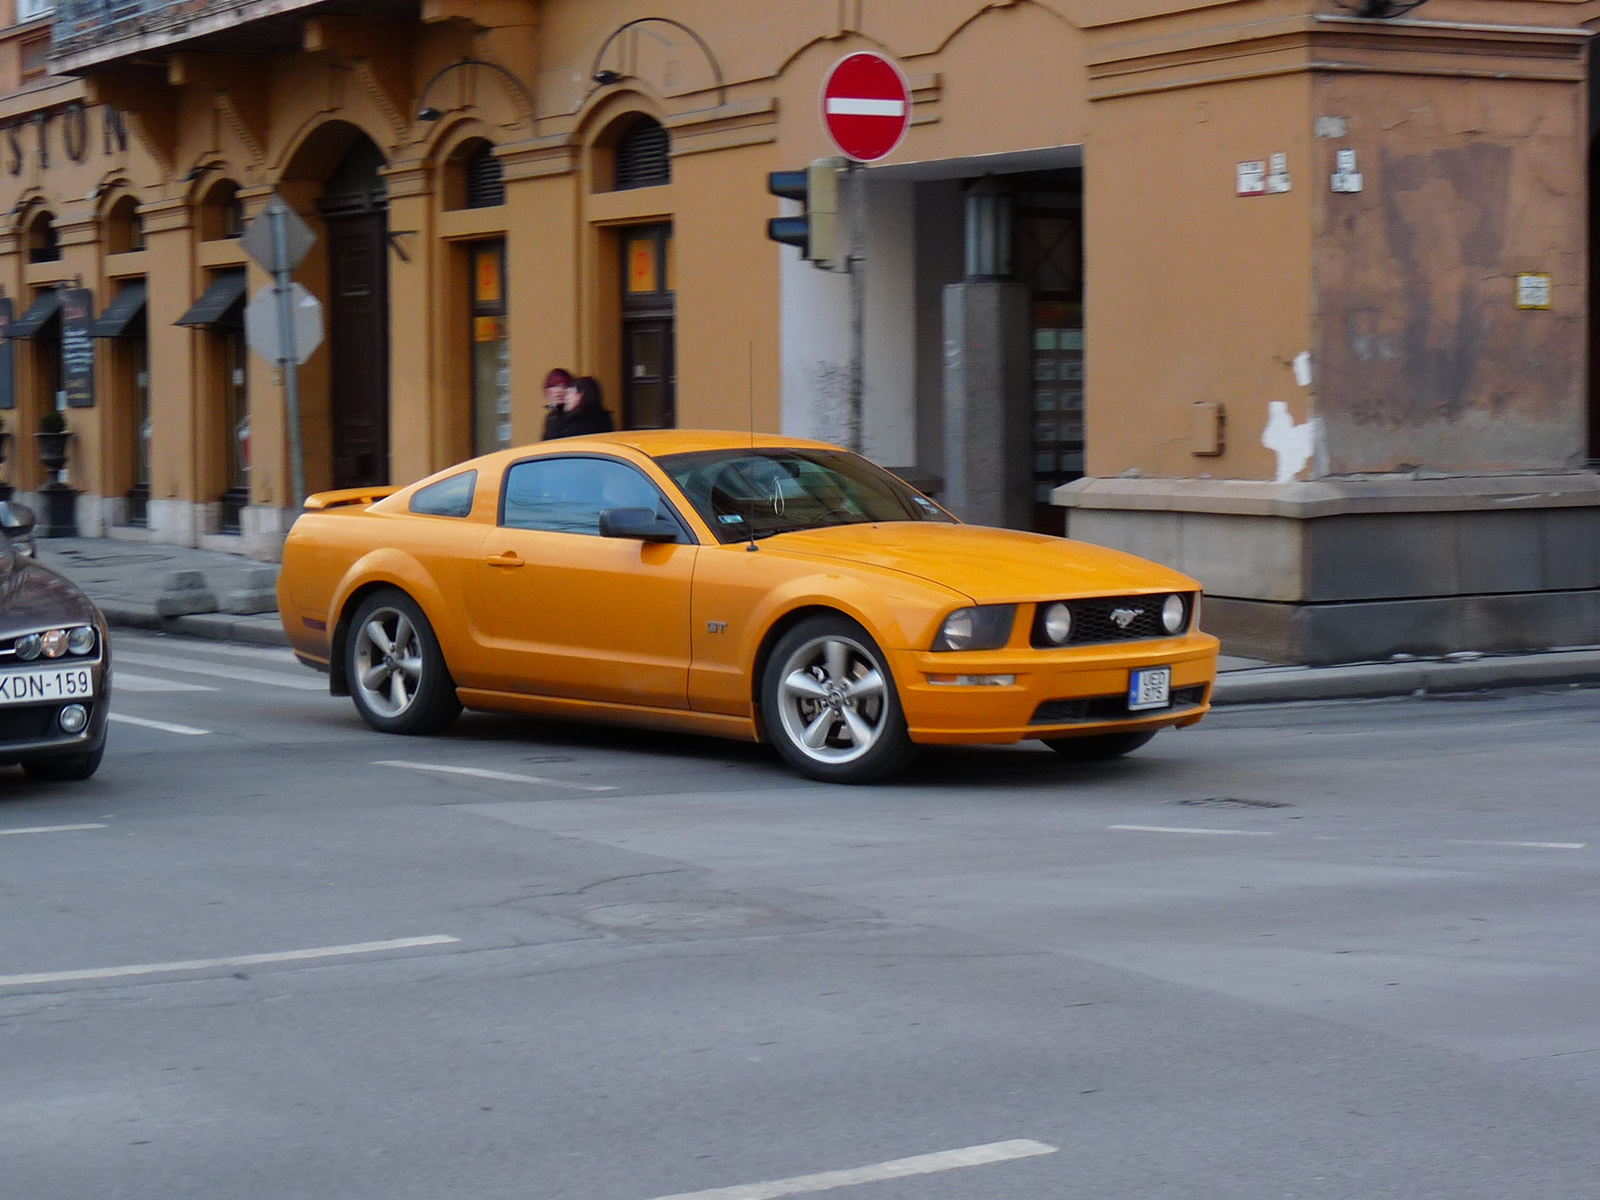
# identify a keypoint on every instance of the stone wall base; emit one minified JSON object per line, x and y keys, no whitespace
{"x":262,"y":529}
{"x":1355,"y":570}
{"x":1374,"y":630}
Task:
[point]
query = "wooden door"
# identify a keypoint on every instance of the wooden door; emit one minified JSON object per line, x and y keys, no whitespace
{"x":358,"y":334}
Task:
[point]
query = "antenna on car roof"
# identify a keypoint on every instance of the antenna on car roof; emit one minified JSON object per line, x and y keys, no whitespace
{"x":750,"y":387}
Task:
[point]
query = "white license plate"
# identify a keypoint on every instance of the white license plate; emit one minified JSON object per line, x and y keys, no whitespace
{"x":41,"y":687}
{"x":1149,"y":688}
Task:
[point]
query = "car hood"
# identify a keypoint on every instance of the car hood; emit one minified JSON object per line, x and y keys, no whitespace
{"x":33,"y":596}
{"x":991,"y":566}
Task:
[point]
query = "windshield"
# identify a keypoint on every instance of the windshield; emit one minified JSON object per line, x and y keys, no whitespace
{"x":760,"y":492}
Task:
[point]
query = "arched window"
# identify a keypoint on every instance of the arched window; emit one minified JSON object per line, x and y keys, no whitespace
{"x":484,"y":178}
{"x":43,"y":243}
{"x":124,"y":227}
{"x":221,"y":212}
{"x":642,"y":156}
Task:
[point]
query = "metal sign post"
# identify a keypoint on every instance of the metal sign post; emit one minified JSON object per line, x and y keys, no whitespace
{"x":279,"y":240}
{"x":866,"y":110}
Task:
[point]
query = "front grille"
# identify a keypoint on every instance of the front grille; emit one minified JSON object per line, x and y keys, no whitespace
{"x":1112,"y":708}
{"x":1092,"y":620}
{"x":29,"y":723}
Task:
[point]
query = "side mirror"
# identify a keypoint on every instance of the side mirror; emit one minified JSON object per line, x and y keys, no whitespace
{"x":640,"y":524}
{"x":16,"y":520}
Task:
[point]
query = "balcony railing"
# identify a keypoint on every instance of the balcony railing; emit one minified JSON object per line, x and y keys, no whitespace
{"x":87,"y":32}
{"x":32,"y":10}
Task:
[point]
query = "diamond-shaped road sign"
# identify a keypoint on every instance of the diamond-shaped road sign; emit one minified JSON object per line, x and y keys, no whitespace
{"x":297,"y":237}
{"x":261,"y":324}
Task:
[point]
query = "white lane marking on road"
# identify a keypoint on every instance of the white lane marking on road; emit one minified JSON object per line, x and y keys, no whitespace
{"x":191,"y":646}
{"x":164,"y":726}
{"x":51,"y":829}
{"x":1529,"y":845}
{"x":480,"y":773}
{"x":1180,"y":829}
{"x":899,"y":1168}
{"x":127,"y":681}
{"x":187,"y":666}
{"x":239,"y":960}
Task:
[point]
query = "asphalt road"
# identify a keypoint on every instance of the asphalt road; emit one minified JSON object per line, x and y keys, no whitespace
{"x":1338,"y":950}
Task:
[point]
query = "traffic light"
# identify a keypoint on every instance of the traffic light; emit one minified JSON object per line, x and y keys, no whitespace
{"x":815,"y":232}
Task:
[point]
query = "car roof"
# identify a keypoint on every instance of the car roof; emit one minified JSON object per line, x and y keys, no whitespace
{"x":659,"y":442}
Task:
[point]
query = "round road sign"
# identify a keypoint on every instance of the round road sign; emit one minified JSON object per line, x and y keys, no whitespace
{"x":866,"y":106}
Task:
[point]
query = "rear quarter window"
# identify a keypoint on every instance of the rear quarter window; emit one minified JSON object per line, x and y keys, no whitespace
{"x":448,"y":498}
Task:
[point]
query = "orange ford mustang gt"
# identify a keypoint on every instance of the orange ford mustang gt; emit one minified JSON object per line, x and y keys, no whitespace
{"x":778,"y":590}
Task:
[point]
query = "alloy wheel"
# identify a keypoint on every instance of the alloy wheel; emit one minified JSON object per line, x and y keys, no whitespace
{"x":833,"y":699}
{"x":388,"y":662}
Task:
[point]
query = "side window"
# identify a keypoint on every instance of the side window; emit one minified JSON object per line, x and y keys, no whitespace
{"x":567,"y":495}
{"x":448,"y":498}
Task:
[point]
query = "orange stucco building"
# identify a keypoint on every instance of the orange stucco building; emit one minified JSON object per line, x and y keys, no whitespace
{"x":1290,"y":297}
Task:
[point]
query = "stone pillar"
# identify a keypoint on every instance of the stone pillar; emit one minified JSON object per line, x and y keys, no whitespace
{"x":988,"y":403}
{"x":1360,"y":243}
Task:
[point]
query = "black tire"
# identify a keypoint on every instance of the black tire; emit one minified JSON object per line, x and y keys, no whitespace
{"x":426,"y":701}
{"x":1101,"y":747}
{"x":834,"y":655}
{"x":65,"y":768}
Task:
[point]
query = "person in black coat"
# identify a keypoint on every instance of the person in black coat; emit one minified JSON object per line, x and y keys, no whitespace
{"x":581,"y":411}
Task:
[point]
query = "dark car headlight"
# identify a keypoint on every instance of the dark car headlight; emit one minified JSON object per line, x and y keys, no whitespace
{"x":81,"y":639}
{"x":985,"y":627}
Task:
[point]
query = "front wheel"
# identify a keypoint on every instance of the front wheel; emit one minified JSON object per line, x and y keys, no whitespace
{"x":398,"y":677}
{"x":1101,"y":747}
{"x":66,"y":768}
{"x":830,"y":705}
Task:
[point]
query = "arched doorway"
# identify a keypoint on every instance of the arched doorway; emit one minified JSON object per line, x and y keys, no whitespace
{"x":355,"y":212}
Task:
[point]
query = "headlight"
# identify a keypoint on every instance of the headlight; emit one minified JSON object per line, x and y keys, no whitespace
{"x":80,"y":640}
{"x":1057,"y":624}
{"x":28,"y":647}
{"x":1173,"y":613}
{"x":54,"y":643}
{"x":986,"y":627}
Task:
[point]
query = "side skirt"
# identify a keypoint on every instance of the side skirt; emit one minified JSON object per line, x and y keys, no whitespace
{"x":674,"y":720}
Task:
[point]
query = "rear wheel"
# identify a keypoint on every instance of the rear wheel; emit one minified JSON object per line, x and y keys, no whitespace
{"x":66,"y":768}
{"x":830,"y":704}
{"x":398,"y":677}
{"x":1101,"y":747}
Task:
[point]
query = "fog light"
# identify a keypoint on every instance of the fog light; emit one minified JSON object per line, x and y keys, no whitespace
{"x":54,"y":643}
{"x":81,"y":640}
{"x":972,"y":680}
{"x":1058,"y":623}
{"x":27,"y":647}
{"x":1172,"y":614}
{"x":73,"y":718}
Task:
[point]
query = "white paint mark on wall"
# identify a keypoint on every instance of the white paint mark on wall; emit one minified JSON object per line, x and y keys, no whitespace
{"x":1293,"y":444}
{"x":1302,"y":368}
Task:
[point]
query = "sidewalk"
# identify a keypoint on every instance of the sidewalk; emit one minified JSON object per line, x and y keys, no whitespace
{"x":128,"y":580}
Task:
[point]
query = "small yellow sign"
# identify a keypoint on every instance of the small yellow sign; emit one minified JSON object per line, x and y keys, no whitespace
{"x":488,"y":329}
{"x":1533,"y":291}
{"x":487,"y":286}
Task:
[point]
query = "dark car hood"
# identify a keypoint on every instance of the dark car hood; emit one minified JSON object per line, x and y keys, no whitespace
{"x":32,"y":596}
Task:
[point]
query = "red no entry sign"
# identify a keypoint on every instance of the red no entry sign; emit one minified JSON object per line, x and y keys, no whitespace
{"x":866,"y":106}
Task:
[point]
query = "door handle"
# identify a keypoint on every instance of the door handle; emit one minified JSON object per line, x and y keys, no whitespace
{"x":508,"y":559}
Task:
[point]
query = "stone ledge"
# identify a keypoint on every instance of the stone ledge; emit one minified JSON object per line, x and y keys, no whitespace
{"x":1333,"y":497}
{"x":1277,"y":685}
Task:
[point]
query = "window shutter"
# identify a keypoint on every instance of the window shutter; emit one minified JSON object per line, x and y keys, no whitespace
{"x":642,"y":156}
{"x":486,"y":187}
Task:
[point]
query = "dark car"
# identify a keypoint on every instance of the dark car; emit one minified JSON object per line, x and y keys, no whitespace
{"x":55,"y":663}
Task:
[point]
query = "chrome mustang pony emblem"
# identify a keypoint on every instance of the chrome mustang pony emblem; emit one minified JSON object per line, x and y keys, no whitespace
{"x":1123,"y":617}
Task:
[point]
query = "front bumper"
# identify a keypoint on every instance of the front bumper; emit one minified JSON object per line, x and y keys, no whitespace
{"x":1078,"y":691}
{"x":33,"y":731}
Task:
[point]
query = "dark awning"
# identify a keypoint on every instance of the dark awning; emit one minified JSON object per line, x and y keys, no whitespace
{"x":43,"y":315}
{"x":222,"y":304}
{"x":123,"y":316}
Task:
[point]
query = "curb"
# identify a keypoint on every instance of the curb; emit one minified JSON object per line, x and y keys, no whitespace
{"x":215,"y":627}
{"x":1276,"y":685}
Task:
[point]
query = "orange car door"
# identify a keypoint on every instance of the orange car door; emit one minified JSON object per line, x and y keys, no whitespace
{"x":562,"y":611}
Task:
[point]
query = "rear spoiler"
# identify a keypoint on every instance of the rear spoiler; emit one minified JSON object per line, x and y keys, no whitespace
{"x":346,"y":497}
